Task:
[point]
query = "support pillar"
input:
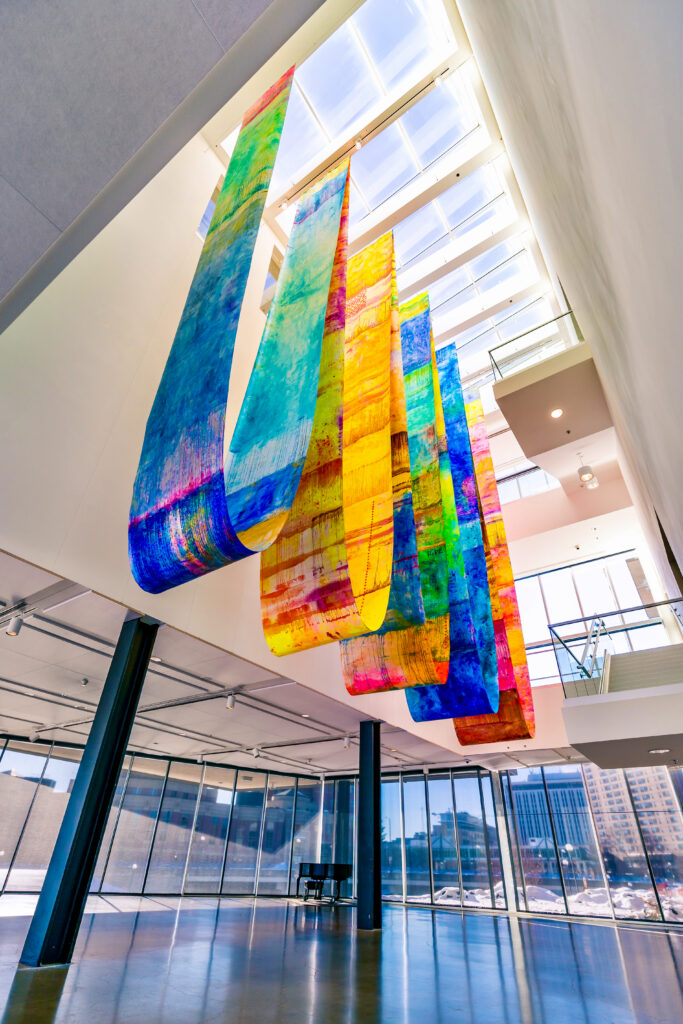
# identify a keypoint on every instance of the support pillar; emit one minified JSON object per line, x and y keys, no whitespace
{"x":55,"y":924}
{"x":368,"y":856}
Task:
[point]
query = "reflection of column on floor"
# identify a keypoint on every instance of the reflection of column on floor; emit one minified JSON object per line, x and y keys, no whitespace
{"x":35,"y":988}
{"x":519,"y":959}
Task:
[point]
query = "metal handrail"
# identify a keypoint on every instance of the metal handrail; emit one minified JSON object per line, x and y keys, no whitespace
{"x":619,"y":611}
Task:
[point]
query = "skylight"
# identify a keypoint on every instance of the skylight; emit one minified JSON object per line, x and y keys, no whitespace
{"x":396,"y":88}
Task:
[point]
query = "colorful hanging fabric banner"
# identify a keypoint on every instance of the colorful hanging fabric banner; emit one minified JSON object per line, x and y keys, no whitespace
{"x":399,"y":653}
{"x":196,"y":508}
{"x":466,"y":688}
{"x":327,"y":576}
{"x":515,"y":718}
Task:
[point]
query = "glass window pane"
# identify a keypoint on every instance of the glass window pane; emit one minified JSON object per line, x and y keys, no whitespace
{"x":476,"y":884}
{"x":418,"y":883}
{"x":418,"y":233}
{"x":205,"y":863}
{"x":595,"y":590}
{"x":42,"y":827}
{"x":392,"y":863}
{"x":338,"y":82}
{"x":383,"y":166}
{"x":21,"y":767}
{"x":661,"y":823}
{"x":514,"y":844}
{"x":301,"y":146}
{"x":537,"y":849}
{"x":542,"y":668}
{"x":444,"y":847}
{"x":402,"y":37}
{"x":245,"y":833}
{"x":560,"y":596}
{"x":174,"y":831}
{"x":135,"y":829}
{"x":307,"y":821}
{"x":344,"y":828}
{"x":327,"y":843}
{"x":622,"y":850}
{"x":276,"y":845}
{"x":494,"y":845}
{"x":532,"y":610}
{"x":579,"y":856}
{"x":438,"y":121}
{"x":110,"y":826}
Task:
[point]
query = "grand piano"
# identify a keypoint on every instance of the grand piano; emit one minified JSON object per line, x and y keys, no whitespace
{"x":317,"y":874}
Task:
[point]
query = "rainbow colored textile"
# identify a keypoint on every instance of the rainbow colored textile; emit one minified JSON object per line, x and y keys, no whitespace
{"x":195,"y":507}
{"x":399,"y":653}
{"x":471,"y":684}
{"x":515,"y":717}
{"x":327,"y":576}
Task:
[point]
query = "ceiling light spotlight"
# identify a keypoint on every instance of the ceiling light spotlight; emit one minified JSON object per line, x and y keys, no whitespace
{"x":347,"y":742}
{"x":283,"y":204}
{"x":15,"y":624}
{"x":585,"y":474}
{"x":358,"y":143}
{"x":255,"y":752}
{"x":593,"y":484}
{"x":660,"y":750}
{"x":556,"y":413}
{"x":305,"y":715}
{"x":230,"y":701}
{"x":84,"y":681}
{"x":155,"y":658}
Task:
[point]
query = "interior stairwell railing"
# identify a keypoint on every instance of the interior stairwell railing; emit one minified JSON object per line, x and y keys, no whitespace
{"x":581,"y":645}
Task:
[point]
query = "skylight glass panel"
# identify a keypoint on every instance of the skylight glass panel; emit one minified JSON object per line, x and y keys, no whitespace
{"x":470,"y":195}
{"x":403,"y":37}
{"x":384,"y":166}
{"x":301,"y":145}
{"x":443,"y":290}
{"x":438,"y":121}
{"x":338,"y":81}
{"x":418,"y":234}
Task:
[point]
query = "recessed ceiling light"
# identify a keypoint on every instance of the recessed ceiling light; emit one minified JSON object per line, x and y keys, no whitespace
{"x":304,"y":715}
{"x":660,"y":750}
{"x":155,"y":659}
{"x":556,"y":413}
{"x":392,"y":750}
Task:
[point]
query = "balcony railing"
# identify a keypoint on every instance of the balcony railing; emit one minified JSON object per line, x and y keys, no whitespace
{"x":534,"y":346}
{"x":581,"y":645}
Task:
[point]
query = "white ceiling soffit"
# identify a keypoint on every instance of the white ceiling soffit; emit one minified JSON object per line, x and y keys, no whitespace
{"x":96,"y":102}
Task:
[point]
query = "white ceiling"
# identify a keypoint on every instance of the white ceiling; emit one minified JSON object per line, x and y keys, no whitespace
{"x":96,"y":99}
{"x":182,"y":710}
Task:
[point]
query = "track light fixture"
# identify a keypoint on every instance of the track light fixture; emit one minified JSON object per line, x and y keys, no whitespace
{"x":230,"y":701}
{"x":347,"y":742}
{"x":255,"y":752}
{"x":15,"y":624}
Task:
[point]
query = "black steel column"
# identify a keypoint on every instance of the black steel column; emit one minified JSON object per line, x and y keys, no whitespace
{"x":55,"y":924}
{"x":368,"y":856}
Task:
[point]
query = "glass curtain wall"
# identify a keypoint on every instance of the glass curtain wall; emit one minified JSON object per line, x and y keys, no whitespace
{"x":174,"y":827}
{"x":440,"y":840}
{"x":597,"y":843}
{"x":582,"y":840}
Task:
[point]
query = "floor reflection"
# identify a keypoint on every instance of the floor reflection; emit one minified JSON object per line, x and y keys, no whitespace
{"x":272,"y":961}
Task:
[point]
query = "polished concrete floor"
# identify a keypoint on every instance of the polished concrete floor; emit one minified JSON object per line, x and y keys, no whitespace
{"x":274,"y":961}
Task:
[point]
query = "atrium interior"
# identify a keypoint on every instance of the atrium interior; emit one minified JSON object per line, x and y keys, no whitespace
{"x":194,"y":824}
